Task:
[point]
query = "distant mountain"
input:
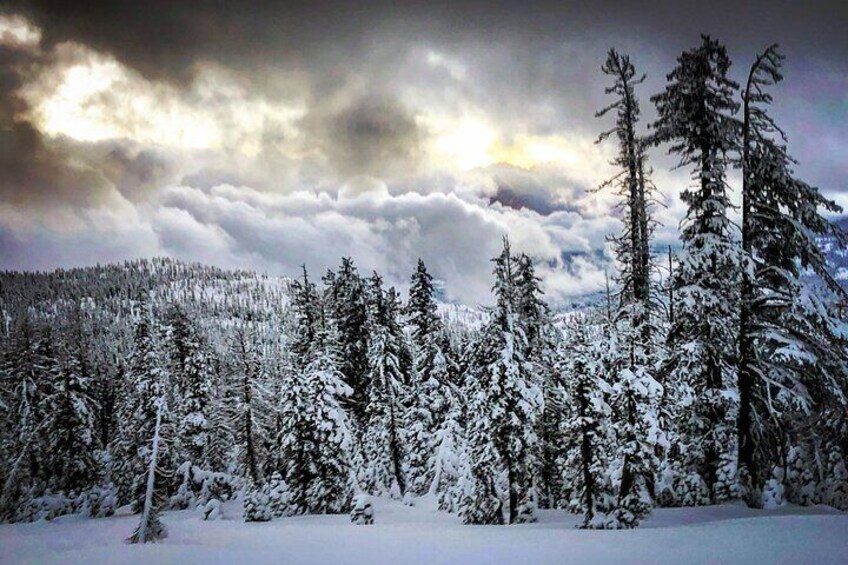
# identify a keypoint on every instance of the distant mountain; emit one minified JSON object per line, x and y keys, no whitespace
{"x":836,"y":253}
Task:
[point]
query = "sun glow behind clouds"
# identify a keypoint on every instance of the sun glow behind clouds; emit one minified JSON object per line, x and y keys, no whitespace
{"x":472,"y":142}
{"x":91,"y":97}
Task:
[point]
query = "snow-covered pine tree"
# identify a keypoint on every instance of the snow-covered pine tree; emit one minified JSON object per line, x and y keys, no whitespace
{"x":421,"y":310}
{"x":144,"y":416}
{"x":250,"y":402}
{"x":635,"y":192}
{"x":257,"y":502}
{"x":220,"y":430}
{"x":791,"y":349}
{"x":534,"y":317}
{"x":348,"y":309}
{"x":29,"y":367}
{"x":635,"y":395}
{"x":449,"y":458}
{"x":192,"y":375}
{"x":587,"y":431}
{"x":833,"y":489}
{"x":504,"y":406}
{"x":279,"y":494}
{"x":151,"y":528}
{"x":68,"y":430}
{"x":383,"y":435}
{"x":315,"y":441}
{"x":695,"y":114}
{"x":431,"y":393}
{"x":636,"y":391}
{"x":362,"y":513}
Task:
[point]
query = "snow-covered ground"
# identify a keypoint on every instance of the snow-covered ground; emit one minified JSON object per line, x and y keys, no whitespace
{"x":404,"y":535}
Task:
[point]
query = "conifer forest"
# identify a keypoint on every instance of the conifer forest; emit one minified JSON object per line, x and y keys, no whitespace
{"x":711,"y":372}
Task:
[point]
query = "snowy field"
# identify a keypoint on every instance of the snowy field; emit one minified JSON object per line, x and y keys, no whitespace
{"x":404,"y":535}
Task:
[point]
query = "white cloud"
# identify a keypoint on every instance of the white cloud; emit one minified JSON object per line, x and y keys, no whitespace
{"x":16,"y":32}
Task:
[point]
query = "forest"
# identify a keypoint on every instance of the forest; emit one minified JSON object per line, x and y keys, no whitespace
{"x":166,"y":385}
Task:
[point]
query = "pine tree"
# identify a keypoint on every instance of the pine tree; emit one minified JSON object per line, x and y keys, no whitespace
{"x":789,"y":344}
{"x":250,"y":403}
{"x":635,"y":395}
{"x":696,"y":115}
{"x":635,"y":388}
{"x":193,"y":376}
{"x":504,"y":404}
{"x":348,"y":309}
{"x":68,"y":430}
{"x":151,"y":528}
{"x":144,"y":450}
{"x":448,"y":459}
{"x":634,"y":190}
{"x":587,"y":431}
{"x":431,"y":393}
{"x":30,"y":367}
{"x":421,"y":309}
{"x":257,"y":502}
{"x":221,"y":436}
{"x":315,"y":441}
{"x":279,"y":495}
{"x":383,"y":436}
{"x":533,"y":316}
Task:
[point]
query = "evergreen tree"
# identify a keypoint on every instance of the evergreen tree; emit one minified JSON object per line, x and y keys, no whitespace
{"x":504,"y":404}
{"x":279,"y":495}
{"x":696,"y":115}
{"x":144,"y":443}
{"x":192,"y":374}
{"x":29,"y":369}
{"x":315,"y":441}
{"x":587,"y":431}
{"x":449,"y":459}
{"x":534,"y":317}
{"x":151,"y":528}
{"x":68,"y":430}
{"x":348,"y":309}
{"x":257,"y":502}
{"x":635,"y":390}
{"x":382,"y":439}
{"x":430,"y":394}
{"x":421,"y":309}
{"x":631,"y":185}
{"x":250,"y":403}
{"x":789,"y":345}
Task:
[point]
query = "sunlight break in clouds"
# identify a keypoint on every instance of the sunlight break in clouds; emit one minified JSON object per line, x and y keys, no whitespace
{"x":91,"y":97}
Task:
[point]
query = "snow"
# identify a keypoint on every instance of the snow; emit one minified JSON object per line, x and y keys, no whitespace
{"x":421,"y":534}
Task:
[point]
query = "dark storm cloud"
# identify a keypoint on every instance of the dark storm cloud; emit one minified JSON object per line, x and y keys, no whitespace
{"x":517,"y":52}
{"x":162,"y":37}
{"x":138,"y":173}
{"x":371,"y":135}
{"x":35,"y":174}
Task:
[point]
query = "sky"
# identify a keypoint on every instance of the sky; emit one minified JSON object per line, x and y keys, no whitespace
{"x":268,"y":137}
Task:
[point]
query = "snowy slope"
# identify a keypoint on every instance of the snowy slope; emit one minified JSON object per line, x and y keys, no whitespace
{"x":403,"y":535}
